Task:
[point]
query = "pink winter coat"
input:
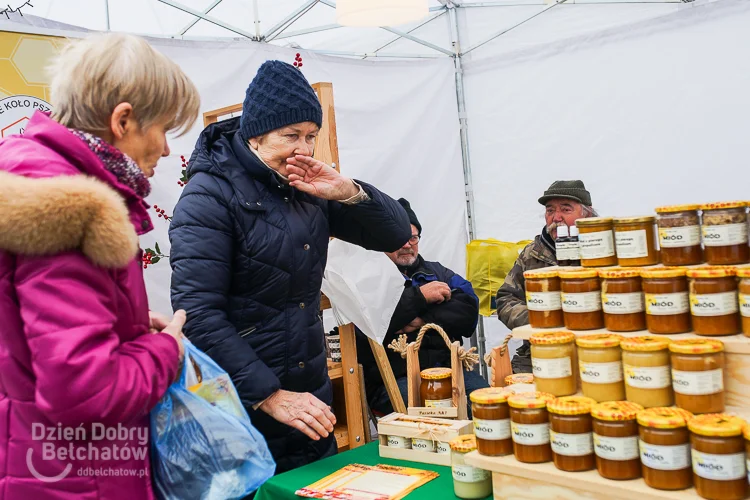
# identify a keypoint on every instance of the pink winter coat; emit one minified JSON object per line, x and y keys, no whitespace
{"x":79,"y":370}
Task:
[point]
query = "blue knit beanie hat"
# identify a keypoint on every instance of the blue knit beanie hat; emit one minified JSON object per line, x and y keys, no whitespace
{"x":278,"y":96}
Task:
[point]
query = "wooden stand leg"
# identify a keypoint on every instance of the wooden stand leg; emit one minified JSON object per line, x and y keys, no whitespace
{"x":412,"y":375}
{"x":386,"y":372}
{"x":351,"y":386}
{"x":365,"y":405}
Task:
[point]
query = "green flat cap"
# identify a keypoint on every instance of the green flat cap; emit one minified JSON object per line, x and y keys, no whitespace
{"x":572,"y":190}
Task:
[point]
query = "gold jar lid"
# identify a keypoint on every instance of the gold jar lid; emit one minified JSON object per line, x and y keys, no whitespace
{"x":746,"y":431}
{"x":663,"y":272}
{"x":620,"y":272}
{"x":635,"y":220}
{"x":530,"y":400}
{"x":491,"y":395}
{"x":615,"y":411}
{"x":594,"y":221}
{"x":571,"y":405}
{"x":743,"y":272}
{"x":599,"y":340}
{"x":644,"y":343}
{"x":723,"y":204}
{"x":664,"y":418}
{"x":435,"y":373}
{"x":712,"y":272}
{"x":670,"y":209}
{"x":535,"y":274}
{"x":577,"y":273}
{"x":716,"y":425}
{"x":555,"y":337}
{"x":696,"y":346}
{"x":519,"y":378}
{"x":464,"y":444}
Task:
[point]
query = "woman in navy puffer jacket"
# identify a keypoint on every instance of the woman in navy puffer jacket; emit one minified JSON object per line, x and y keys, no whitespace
{"x":249,"y":244}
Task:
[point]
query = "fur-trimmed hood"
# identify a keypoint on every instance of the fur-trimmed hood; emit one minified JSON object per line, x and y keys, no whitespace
{"x":46,"y":216}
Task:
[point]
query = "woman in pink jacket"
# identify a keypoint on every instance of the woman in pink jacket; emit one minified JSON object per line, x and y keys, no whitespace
{"x":82,"y":361}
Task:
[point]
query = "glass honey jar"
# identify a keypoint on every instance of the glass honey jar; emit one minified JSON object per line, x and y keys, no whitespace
{"x":600,"y":367}
{"x":714,"y":305}
{"x":469,"y":482}
{"x":744,"y":295}
{"x":597,"y":242}
{"x":571,"y":437}
{"x":635,"y":241}
{"x":725,"y":233}
{"x":680,"y":235}
{"x":665,"y":448}
{"x":581,"y":299}
{"x":552,"y":360}
{"x":529,"y":425}
{"x":647,"y":373}
{"x":543,"y":300}
{"x":698,"y":374}
{"x":746,"y":435}
{"x":616,"y":439}
{"x":718,"y":455}
{"x":436,"y":388}
{"x":622,"y":300}
{"x":491,"y":415}
{"x":667,"y":300}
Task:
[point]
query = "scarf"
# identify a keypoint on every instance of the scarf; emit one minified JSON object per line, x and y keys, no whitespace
{"x":117,"y":163}
{"x":548,"y":241}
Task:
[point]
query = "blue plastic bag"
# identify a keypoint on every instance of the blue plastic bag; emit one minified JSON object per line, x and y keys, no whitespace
{"x":203,"y":444}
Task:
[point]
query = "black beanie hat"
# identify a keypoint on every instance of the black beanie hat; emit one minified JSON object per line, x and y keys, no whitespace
{"x":412,"y":216}
{"x":278,"y":96}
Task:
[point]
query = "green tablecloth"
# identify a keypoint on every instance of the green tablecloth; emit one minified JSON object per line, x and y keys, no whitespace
{"x":283,"y":486}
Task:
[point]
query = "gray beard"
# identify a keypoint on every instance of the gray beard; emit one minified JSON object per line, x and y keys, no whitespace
{"x":406,"y":260}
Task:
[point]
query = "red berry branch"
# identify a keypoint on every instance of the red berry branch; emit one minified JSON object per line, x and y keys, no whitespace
{"x":151,"y":256}
{"x":297,"y":61}
{"x":160,"y":212}
{"x":183,"y":177}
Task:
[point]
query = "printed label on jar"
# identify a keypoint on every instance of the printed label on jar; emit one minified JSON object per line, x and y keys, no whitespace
{"x":623,"y":303}
{"x":679,"y":237}
{"x":427,"y":445}
{"x":697,"y":383}
{"x":568,"y":250}
{"x":719,"y":467}
{"x":492,"y":430}
{"x":745,"y":305}
{"x":530,"y":434}
{"x":399,"y":442}
{"x":600,"y":373}
{"x":725,"y":234}
{"x":612,"y":448}
{"x":438,"y":403}
{"x":543,"y":301}
{"x":653,"y":377}
{"x":665,"y":457}
{"x":443,"y":448}
{"x":469,"y":474}
{"x":552,"y":368}
{"x":581,"y":302}
{"x":713,"y":304}
{"x":631,"y":244}
{"x":571,"y":445}
{"x":597,"y":245}
{"x":667,"y":304}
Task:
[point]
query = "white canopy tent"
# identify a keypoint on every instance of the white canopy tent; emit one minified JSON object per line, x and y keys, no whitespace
{"x":645,"y":101}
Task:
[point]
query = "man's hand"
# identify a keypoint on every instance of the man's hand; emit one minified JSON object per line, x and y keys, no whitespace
{"x":415,"y":325}
{"x":436,"y":292}
{"x":303,"y":411}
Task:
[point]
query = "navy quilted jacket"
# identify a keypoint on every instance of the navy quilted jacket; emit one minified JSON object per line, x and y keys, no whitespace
{"x":248,"y":255}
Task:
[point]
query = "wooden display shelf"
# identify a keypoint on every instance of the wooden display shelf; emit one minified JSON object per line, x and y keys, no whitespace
{"x":341,"y":432}
{"x":335,"y":370}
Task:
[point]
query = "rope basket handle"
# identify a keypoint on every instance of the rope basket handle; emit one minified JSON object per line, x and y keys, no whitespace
{"x":401,"y":345}
{"x":503,"y":350}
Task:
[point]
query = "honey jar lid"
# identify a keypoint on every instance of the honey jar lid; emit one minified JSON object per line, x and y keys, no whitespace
{"x":578,"y":273}
{"x":435,"y":373}
{"x":571,"y":405}
{"x":723,"y":204}
{"x":712,"y":272}
{"x":530,"y":400}
{"x":593,"y":221}
{"x":716,"y":425}
{"x":555,"y":337}
{"x":743,"y":272}
{"x":519,"y":378}
{"x":464,"y":444}
{"x":540,"y":274}
{"x":664,"y":418}
{"x":668,"y":209}
{"x":620,"y":272}
{"x":491,"y":395}
{"x":746,"y":431}
{"x":645,"y":343}
{"x":616,"y":410}
{"x":599,"y":340}
{"x":696,"y":346}
{"x":663,"y":272}
{"x":635,"y":220}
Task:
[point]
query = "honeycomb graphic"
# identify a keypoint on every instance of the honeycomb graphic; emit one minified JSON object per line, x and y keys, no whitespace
{"x":23,"y":59}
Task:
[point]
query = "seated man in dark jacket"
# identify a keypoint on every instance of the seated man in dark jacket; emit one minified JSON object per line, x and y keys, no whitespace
{"x":432,"y":294}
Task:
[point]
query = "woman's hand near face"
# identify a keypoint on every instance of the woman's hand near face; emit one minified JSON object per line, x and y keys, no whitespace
{"x":303,"y":411}
{"x":318,"y":179}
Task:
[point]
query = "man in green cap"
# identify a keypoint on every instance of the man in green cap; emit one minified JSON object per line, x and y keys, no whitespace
{"x":565,"y":202}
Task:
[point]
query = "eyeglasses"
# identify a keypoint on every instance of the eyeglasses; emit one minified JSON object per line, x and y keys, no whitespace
{"x":414,"y":239}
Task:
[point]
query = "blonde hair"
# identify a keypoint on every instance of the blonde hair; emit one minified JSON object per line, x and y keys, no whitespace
{"x":91,"y":76}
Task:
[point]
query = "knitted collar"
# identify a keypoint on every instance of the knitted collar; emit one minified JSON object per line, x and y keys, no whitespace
{"x":117,"y":163}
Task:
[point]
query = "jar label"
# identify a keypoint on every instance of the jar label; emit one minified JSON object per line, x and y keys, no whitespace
{"x":713,"y":304}
{"x":443,"y":448}
{"x":623,"y":303}
{"x":667,"y":304}
{"x":665,"y":457}
{"x":652,"y":377}
{"x":469,"y":474}
{"x":568,"y":250}
{"x":492,"y":430}
{"x":571,"y":445}
{"x":745,"y":305}
{"x":552,"y":368}
{"x":543,"y":301}
{"x":612,"y":448}
{"x":530,"y":434}
{"x":631,"y":244}
{"x":423,"y":445}
{"x":679,"y":237}
{"x":597,"y":245}
{"x":600,"y":373}
{"x":719,"y":467}
{"x":438,"y":403}
{"x":725,"y":234}
{"x":399,"y":442}
{"x":581,"y":302}
{"x":697,"y":383}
